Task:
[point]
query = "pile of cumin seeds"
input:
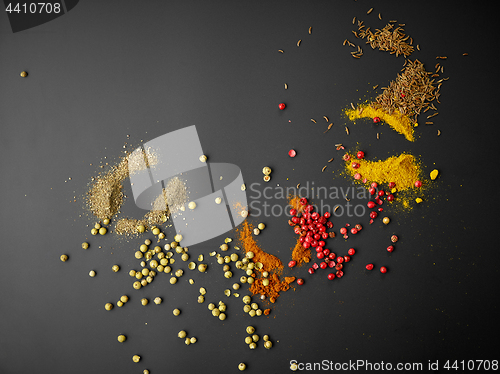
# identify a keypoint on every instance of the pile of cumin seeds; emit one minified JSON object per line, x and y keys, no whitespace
{"x":388,"y":39}
{"x":411,"y":92}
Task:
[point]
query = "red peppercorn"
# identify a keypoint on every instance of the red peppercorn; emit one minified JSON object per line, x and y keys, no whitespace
{"x":390,"y":197}
{"x":320,"y":255}
{"x":358,"y":227}
{"x":418,"y":184}
{"x":321,"y":228}
{"x":340,"y":259}
{"x":292,"y":263}
{"x":339,"y":266}
{"x":319,"y":249}
{"x":315,"y":215}
{"x":332,"y":256}
{"x":343,"y":231}
{"x":327,"y":215}
{"x":282,"y":106}
{"x":300,"y":281}
{"x":331,"y":276}
{"x":296,"y":229}
{"x":351,"y":251}
{"x":372,"y":191}
{"x":321,"y":243}
{"x":303,"y":201}
{"x":379,"y":201}
{"x":392,"y":185}
{"x":373,"y":214}
{"x":376,"y":119}
{"x":390,"y":248}
{"x":369,"y":267}
{"x":339,"y":273}
{"x":383,"y":269}
{"x":326,"y":252}
{"x":394,"y":238}
{"x":331,"y":264}
{"x":295,"y":220}
{"x":347,"y":259}
{"x":302,"y":239}
{"x":316,"y":236}
{"x":374,"y":185}
{"x":306,"y":245}
{"x":355,"y":165}
{"x":310,"y":271}
{"x":360,"y":155}
{"x":381,"y":193}
{"x":315,"y":266}
{"x":314,"y":243}
{"x":309,"y":208}
{"x":324,"y":235}
{"x":292,"y":153}
{"x":354,"y":231}
{"x":370,"y":204}
{"x":329,"y":224}
{"x":293,"y":212}
{"x":323,"y":265}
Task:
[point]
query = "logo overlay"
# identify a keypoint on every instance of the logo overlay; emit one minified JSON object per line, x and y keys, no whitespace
{"x":215,"y":193}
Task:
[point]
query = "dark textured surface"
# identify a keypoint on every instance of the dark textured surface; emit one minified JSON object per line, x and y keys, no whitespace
{"x":110,"y":69}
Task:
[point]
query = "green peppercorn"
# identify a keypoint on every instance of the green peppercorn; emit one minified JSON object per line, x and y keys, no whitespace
{"x":122,"y":338}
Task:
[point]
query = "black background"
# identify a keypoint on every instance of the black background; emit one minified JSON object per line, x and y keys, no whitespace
{"x":110,"y":69}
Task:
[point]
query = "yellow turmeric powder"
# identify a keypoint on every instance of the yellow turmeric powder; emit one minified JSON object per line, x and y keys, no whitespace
{"x":403,"y":170}
{"x":399,"y":122}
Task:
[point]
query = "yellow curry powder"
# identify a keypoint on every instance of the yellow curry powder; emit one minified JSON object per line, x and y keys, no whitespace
{"x":403,"y":170}
{"x":397,"y":121}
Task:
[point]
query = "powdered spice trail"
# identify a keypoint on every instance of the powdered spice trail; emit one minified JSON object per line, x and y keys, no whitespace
{"x":402,"y":170}
{"x":300,"y":254}
{"x":105,"y":196}
{"x":270,"y":263}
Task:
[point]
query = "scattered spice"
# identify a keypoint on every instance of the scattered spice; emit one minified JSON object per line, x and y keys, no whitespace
{"x":389,"y":39}
{"x":403,"y":170}
{"x":300,"y":254}
{"x":398,"y":122}
{"x":269,"y":262}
